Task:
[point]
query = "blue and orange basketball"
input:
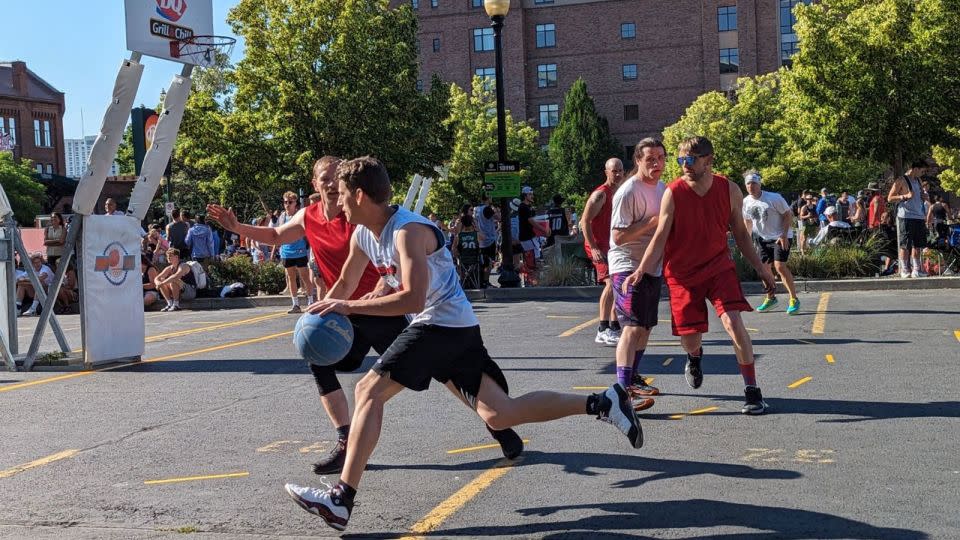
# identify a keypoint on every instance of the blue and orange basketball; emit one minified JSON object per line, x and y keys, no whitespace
{"x":323,"y":339}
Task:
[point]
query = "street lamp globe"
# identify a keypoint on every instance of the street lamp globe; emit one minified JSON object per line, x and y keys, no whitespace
{"x":496,"y":8}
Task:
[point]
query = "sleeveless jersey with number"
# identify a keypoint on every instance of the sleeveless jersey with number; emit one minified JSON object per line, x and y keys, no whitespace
{"x":558,"y":222}
{"x":697,"y":246}
{"x":330,"y":242}
{"x":446,"y":304}
{"x":468,"y":240}
{"x":600,"y":224}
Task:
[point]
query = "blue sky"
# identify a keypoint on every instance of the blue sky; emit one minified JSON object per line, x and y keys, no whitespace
{"x":78,"y":46}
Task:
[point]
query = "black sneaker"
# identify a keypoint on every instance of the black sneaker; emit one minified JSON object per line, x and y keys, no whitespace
{"x":510,"y":443}
{"x":616,"y":408}
{"x":333,"y":463}
{"x":692,"y":371}
{"x":755,"y":403}
{"x":325,"y":502}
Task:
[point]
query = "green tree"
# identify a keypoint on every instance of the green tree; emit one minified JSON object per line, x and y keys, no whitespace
{"x":125,"y":161}
{"x":473,"y":123}
{"x":877,"y":80}
{"x":581,"y":143}
{"x":949,"y":161}
{"x":26,"y":194}
{"x":335,"y":77}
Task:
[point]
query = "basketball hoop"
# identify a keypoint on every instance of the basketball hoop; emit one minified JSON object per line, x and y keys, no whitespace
{"x":202,"y":50}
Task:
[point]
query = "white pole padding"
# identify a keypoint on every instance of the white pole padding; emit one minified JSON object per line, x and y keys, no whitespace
{"x":155,"y":161}
{"x":424,"y":191}
{"x":412,"y":192}
{"x":111,"y":134}
{"x":5,"y":207}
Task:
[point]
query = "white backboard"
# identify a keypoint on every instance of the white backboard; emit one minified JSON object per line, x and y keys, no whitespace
{"x":153,"y":24}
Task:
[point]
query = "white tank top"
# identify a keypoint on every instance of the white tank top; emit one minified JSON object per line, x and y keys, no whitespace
{"x":446,"y":303}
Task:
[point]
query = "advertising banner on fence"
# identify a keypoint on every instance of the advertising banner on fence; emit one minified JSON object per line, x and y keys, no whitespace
{"x":112,"y":289}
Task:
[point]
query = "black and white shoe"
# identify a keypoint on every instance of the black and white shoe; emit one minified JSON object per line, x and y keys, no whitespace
{"x":510,"y":443}
{"x":692,"y":372}
{"x":325,"y":502}
{"x":616,"y":408}
{"x":754,"y":403}
{"x":333,"y":463}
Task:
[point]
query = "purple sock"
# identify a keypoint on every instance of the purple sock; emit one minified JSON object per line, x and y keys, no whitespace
{"x":636,"y":359}
{"x":624,"y":374}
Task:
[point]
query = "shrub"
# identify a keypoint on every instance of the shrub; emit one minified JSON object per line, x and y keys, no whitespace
{"x":827,"y":261}
{"x":271,"y":277}
{"x":232,"y":270}
{"x":565,"y":272}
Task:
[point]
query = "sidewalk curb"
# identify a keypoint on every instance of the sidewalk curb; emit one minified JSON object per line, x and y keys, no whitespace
{"x":593,"y":293}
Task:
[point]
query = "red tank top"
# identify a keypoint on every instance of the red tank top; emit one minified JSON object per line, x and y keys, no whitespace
{"x":330,"y":242}
{"x":600,"y":224}
{"x":697,"y":246}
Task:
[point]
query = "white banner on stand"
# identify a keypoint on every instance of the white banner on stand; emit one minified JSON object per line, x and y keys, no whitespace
{"x":112,"y":289}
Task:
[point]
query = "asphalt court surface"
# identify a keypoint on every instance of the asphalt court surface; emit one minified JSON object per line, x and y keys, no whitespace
{"x":860,"y":441}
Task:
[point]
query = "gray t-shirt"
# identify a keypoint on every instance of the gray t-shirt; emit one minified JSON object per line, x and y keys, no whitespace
{"x":635,"y":201}
{"x":766,"y":213}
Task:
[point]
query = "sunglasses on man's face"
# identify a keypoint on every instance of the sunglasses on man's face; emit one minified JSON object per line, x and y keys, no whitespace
{"x":686,"y":161}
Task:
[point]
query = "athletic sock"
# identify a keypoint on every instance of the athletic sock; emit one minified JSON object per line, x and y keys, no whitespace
{"x":169,"y":303}
{"x":636,"y":359}
{"x":749,"y":374}
{"x":348,"y":493}
{"x":603,"y":326}
{"x":696,"y":356}
{"x":34,"y":305}
{"x":624,"y":374}
{"x":903,"y":265}
{"x":916,"y":264}
{"x":615,"y":325}
{"x":309,"y":300}
{"x":343,"y":432}
{"x":296,"y":301}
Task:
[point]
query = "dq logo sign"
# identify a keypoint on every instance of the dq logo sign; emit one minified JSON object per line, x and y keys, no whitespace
{"x":115,"y":263}
{"x":171,"y":10}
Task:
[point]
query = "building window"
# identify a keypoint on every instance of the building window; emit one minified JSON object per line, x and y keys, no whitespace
{"x":546,"y":75}
{"x":549,"y":115}
{"x":729,"y":60}
{"x":39,"y":168}
{"x":726,"y":18}
{"x":476,"y":3}
{"x":489,"y":76}
{"x":436,"y":44}
{"x":628,"y":30}
{"x":483,"y":39}
{"x":546,"y":36}
{"x":629,"y":72}
{"x":419,"y":85}
{"x":12,"y":129}
{"x":628,"y":152}
{"x":788,"y":39}
{"x":46,"y":134}
{"x":434,"y":3}
{"x":36,"y":133}
{"x":538,"y":2}
{"x":631,"y":112}
{"x":49,"y":168}
{"x":415,"y":4}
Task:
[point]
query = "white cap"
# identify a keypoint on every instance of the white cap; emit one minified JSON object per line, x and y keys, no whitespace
{"x":752,"y":178}
{"x":830,"y":210}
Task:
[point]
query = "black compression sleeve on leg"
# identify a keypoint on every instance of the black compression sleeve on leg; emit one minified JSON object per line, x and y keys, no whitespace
{"x":326,"y":379}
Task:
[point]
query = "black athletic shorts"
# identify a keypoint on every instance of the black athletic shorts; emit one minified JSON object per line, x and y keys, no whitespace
{"x":488,"y":254}
{"x":770,"y":250}
{"x":427,"y":351}
{"x":912,"y":233}
{"x":370,"y":332}
{"x":296,"y":262}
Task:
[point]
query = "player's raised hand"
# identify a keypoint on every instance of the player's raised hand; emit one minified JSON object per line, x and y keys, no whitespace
{"x":224,"y":216}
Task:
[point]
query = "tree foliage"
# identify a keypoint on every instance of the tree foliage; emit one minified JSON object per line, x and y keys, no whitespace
{"x":473,"y":124}
{"x":581,"y":143}
{"x":879,"y":80}
{"x":26,"y":194}
{"x":949,"y":161}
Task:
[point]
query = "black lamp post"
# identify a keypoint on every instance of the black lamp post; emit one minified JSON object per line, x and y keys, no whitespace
{"x":497,"y":10}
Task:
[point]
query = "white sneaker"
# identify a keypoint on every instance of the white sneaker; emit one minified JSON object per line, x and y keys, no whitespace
{"x":918,"y":273}
{"x":601,"y":336}
{"x":325,"y":502}
{"x":613,"y":337}
{"x":905,"y":274}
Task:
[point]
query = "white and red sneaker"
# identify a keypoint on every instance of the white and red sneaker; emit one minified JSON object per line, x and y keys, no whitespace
{"x":327,"y":502}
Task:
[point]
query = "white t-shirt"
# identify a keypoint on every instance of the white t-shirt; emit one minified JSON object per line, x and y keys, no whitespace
{"x":634,"y":201}
{"x":766,"y":214}
{"x":43,"y":271}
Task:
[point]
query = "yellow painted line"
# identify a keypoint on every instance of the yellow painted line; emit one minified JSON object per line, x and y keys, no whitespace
{"x":956,"y":334}
{"x":805,"y":341}
{"x":580,"y":327}
{"x":455,"y":502}
{"x":676,"y":417}
{"x":218,"y":326}
{"x":562,"y":317}
{"x":147,"y":361}
{"x":798,"y":383}
{"x":820,"y":319}
{"x":752,"y":330}
{"x":589,"y":387}
{"x":38,"y":462}
{"x":829,"y":358}
{"x":704,"y":410}
{"x":193,"y":478}
{"x":481,"y":447}
{"x":667,"y":361}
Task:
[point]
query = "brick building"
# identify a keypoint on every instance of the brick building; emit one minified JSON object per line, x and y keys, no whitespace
{"x":31,"y":111}
{"x":644,"y":61}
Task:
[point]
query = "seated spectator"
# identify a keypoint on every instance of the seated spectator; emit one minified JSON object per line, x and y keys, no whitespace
{"x":833,"y":224}
{"x":69,"y":292}
{"x":176,"y":281}
{"x":156,"y":244}
{"x":149,"y":275}
{"x":25,"y":287}
{"x":886,"y":234}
